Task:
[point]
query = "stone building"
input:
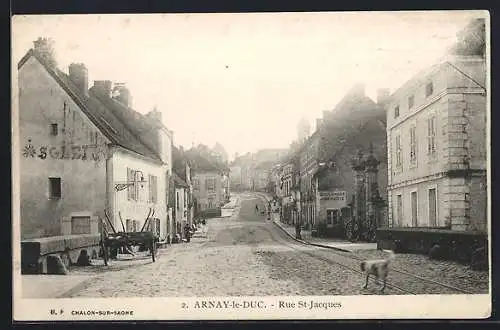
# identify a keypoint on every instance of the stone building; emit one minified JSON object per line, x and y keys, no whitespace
{"x":181,"y":205}
{"x":208,"y":189}
{"x":326,"y":182}
{"x":436,"y":132}
{"x":86,"y":153}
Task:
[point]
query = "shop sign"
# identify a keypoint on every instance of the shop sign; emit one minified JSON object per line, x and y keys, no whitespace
{"x":336,"y":195}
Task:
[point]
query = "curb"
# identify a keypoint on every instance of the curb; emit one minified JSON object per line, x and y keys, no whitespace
{"x":262,"y":196}
{"x":309,"y":243}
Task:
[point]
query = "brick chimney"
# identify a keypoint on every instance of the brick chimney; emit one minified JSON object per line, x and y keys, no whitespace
{"x":122,"y":94}
{"x":44,"y":47}
{"x":79,"y":75}
{"x":383,"y":95}
{"x":103,"y":87}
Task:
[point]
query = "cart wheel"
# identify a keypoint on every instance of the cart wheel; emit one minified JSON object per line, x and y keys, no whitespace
{"x":153,"y":250}
{"x":105,"y":255}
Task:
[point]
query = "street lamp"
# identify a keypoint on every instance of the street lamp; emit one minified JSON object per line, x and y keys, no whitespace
{"x":124,"y":185}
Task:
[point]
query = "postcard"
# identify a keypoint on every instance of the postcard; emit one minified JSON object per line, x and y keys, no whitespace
{"x":249,"y":166}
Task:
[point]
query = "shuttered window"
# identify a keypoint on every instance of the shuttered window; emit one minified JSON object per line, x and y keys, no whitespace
{"x":431,"y":135}
{"x":153,"y":189}
{"x":131,"y":189}
{"x":413,"y":145}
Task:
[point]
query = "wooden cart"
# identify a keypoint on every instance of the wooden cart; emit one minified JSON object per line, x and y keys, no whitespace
{"x":111,"y":242}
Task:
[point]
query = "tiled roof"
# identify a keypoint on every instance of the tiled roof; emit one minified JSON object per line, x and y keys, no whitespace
{"x":98,"y":112}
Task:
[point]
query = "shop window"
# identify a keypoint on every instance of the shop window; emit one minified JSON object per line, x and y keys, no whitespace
{"x":332,"y":217}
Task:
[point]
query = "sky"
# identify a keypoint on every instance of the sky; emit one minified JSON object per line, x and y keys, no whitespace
{"x":244,"y":80}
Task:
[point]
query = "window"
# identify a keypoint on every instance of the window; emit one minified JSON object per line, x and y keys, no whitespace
{"x":332,"y":217}
{"x":396,"y":112}
{"x":411,"y":101}
{"x":210,"y":202}
{"x":429,"y":89}
{"x":178,"y":198}
{"x":53,"y":129}
{"x":399,"y":210}
{"x":210,"y":184}
{"x":132,"y":185}
{"x":54,"y":188}
{"x":80,"y":225}
{"x":431,"y":135}
{"x":153,"y":189}
{"x":432,"y":207}
{"x":185,"y":199}
{"x":414,"y":209}
{"x":196,"y":184}
{"x":413,"y":145}
{"x":128,"y":225}
{"x":467,"y":205}
{"x":398,"y":152}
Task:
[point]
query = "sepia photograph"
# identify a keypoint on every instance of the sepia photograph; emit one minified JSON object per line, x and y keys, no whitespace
{"x":317,"y":165}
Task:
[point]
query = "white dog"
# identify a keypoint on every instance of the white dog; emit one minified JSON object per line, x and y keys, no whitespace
{"x":379,"y":268}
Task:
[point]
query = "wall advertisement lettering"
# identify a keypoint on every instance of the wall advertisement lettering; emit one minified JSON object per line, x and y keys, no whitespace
{"x":85,"y":152}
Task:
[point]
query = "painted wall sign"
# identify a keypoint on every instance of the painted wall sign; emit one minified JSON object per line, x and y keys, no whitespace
{"x":333,"y":195}
{"x":333,"y":199}
{"x":90,"y":152}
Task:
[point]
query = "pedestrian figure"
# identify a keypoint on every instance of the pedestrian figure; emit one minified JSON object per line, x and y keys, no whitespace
{"x":187,"y":232}
{"x":256,"y":209}
{"x":297,"y":230}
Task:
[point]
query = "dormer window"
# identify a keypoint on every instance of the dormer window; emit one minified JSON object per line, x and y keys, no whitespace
{"x":396,"y":112}
{"x":429,"y":89}
{"x":411,"y":101}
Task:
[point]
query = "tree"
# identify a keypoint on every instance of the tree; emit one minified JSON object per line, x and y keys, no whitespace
{"x":471,"y":40}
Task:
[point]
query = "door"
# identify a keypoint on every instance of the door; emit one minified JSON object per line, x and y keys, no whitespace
{"x":414,"y":212}
{"x":432,"y":207}
{"x":157,"y":227}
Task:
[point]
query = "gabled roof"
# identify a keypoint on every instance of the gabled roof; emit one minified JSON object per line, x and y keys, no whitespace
{"x":178,"y":181}
{"x":453,"y":62}
{"x":98,"y":112}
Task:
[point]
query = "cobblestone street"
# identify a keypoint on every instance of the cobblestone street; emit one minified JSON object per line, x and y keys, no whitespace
{"x":241,"y":255}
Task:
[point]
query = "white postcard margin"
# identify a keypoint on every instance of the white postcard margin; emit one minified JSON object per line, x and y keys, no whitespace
{"x":475,"y":306}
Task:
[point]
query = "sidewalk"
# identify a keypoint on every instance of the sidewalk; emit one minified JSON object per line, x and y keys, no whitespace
{"x":330,"y":243}
{"x":50,"y":286}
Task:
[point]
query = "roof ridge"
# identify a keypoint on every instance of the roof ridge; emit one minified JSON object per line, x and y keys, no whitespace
{"x":84,"y":103}
{"x":131,"y":131}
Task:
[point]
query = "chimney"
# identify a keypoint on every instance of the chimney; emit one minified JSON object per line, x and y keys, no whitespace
{"x":44,"y":47}
{"x":383,"y":95}
{"x":79,"y":75}
{"x":122,"y":94}
{"x":103,"y":87}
